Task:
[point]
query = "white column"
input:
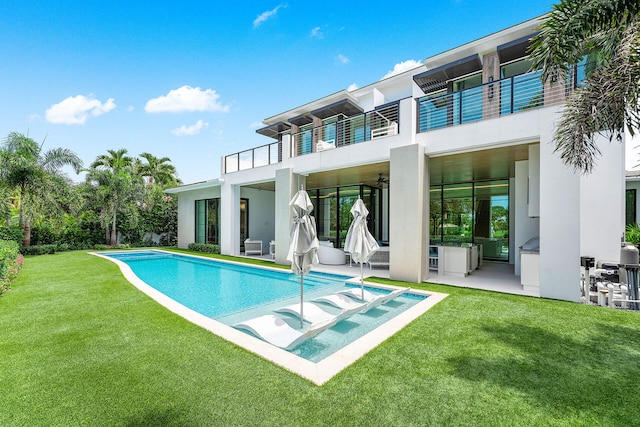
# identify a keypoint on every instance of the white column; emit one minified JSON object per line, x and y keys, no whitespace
{"x":230,"y":219}
{"x":559,"y":224}
{"x":287,"y":184}
{"x":409,"y":214}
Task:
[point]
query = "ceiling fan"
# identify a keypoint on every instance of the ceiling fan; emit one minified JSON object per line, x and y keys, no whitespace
{"x":382,"y":180}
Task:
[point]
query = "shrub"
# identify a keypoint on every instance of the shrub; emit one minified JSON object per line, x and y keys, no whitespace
{"x":10,"y":264}
{"x":101,"y":247}
{"x":204,"y":247}
{"x":39,"y":249}
{"x":632,"y":234}
{"x":13,"y":232}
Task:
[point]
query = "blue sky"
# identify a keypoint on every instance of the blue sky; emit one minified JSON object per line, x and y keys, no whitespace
{"x":193,"y":80}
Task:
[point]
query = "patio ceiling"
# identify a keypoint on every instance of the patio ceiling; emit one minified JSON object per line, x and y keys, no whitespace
{"x":497,"y":163}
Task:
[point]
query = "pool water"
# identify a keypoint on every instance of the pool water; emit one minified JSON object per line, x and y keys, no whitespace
{"x":231,"y":293}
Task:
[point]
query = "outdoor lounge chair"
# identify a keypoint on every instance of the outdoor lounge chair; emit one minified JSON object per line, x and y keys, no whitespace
{"x":340,"y":301}
{"x":253,"y":247}
{"x":276,"y":331}
{"x":373,"y":300}
{"x":313,"y":313}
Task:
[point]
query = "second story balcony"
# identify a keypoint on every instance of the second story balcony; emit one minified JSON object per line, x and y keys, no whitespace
{"x":343,"y":131}
{"x":490,"y":100}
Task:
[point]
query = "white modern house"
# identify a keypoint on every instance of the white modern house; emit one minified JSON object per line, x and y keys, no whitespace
{"x":454,"y":160}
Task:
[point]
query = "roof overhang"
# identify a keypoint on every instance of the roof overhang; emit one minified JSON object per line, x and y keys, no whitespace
{"x":306,"y":109}
{"x":272,"y":131}
{"x":195,"y":186}
{"x":301,"y":120}
{"x":344,"y":106}
{"x":436,"y":79}
{"x":514,"y":49}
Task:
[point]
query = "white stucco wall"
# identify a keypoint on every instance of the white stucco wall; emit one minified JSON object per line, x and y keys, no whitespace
{"x":602,"y":209}
{"x":559,"y":222}
{"x":187,"y":213}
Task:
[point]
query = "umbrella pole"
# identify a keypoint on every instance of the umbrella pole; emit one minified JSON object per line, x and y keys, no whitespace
{"x":362,"y":280}
{"x":301,"y":295}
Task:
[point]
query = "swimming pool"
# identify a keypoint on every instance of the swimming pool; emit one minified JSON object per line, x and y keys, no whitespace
{"x":217,"y":294}
{"x":216,"y":289}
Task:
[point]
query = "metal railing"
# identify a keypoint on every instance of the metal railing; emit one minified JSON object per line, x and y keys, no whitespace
{"x":381,"y":122}
{"x":489,"y":100}
{"x":255,"y":157}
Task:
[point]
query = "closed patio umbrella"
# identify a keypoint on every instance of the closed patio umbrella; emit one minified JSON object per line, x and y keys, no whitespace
{"x":359,"y":242}
{"x":303,"y":244}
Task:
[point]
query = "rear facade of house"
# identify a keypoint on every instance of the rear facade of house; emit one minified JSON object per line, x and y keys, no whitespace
{"x":454,"y":159}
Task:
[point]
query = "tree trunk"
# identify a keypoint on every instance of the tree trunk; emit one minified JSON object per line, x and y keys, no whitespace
{"x":107,"y":235}
{"x":27,"y":234}
{"x":114,"y":237}
{"x":114,"y":233}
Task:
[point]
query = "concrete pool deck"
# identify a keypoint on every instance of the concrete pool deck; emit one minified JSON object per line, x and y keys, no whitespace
{"x":318,"y":373}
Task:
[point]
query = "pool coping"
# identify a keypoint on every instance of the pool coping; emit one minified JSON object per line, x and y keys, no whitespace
{"x":316,"y":372}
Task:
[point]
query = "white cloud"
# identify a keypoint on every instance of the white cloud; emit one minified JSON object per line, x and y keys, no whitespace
{"x":190,"y":130}
{"x":316,"y":33}
{"x":352,"y":87}
{"x":256,"y":125}
{"x":401,"y":67}
{"x":75,"y":110}
{"x":186,"y":98}
{"x":265,"y":16}
{"x":342,"y":59}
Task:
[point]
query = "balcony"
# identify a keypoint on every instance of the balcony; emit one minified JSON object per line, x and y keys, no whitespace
{"x":379,"y":123}
{"x":255,"y":157}
{"x":492,"y":99}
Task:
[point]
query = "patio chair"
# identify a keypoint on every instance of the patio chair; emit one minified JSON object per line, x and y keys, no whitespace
{"x":379,"y":258}
{"x":328,"y":255}
{"x":325,"y":145}
{"x":253,"y":247}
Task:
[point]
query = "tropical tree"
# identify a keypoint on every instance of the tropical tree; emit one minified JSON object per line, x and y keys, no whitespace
{"x":119,"y":188}
{"x":608,"y":100}
{"x":158,"y":170}
{"x":115,"y":161}
{"x":33,"y":173}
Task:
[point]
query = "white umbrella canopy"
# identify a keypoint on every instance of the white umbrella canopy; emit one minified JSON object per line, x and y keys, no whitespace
{"x":359,"y":241}
{"x":303,"y":244}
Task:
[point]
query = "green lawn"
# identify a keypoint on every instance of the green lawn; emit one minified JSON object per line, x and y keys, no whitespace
{"x":79,"y":345}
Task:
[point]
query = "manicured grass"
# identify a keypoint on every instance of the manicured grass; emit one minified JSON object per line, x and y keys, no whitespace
{"x":79,"y":345}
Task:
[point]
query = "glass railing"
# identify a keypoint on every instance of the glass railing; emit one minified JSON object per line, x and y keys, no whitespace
{"x":255,"y":157}
{"x":381,"y":122}
{"x":488,"y":100}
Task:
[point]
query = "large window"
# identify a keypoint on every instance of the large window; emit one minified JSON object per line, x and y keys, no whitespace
{"x":630,"y":211}
{"x":207,"y":221}
{"x":472,"y":212}
{"x":332,"y":210}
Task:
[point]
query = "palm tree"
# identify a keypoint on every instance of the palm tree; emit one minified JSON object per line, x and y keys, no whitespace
{"x":607,"y":102}
{"x":158,"y":170}
{"x":114,"y":161}
{"x":25,"y":167}
{"x":118,"y":185}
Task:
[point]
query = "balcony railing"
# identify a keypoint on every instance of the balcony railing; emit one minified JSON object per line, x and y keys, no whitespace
{"x":492,"y":99}
{"x":381,"y":122}
{"x":255,"y":157}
